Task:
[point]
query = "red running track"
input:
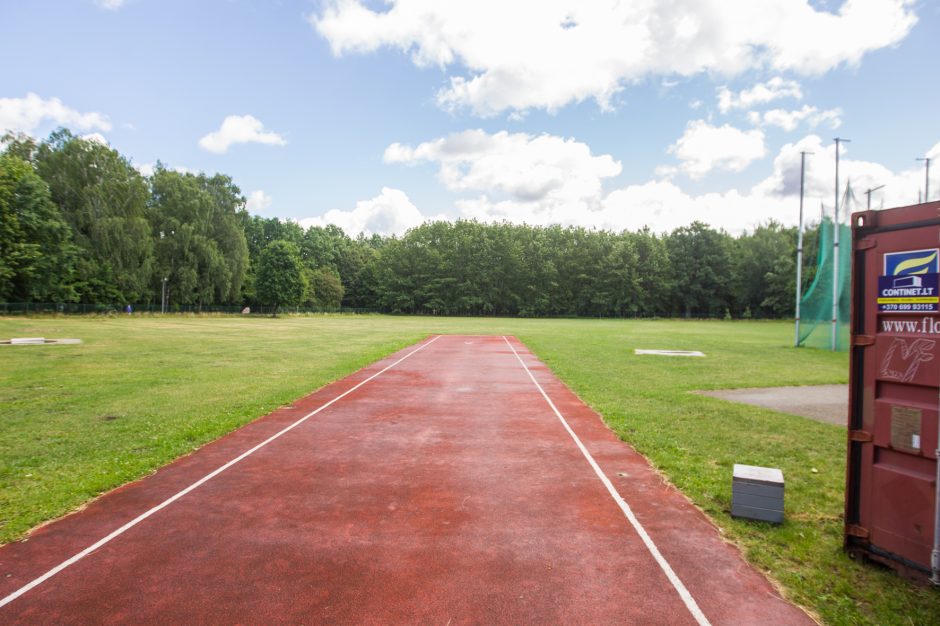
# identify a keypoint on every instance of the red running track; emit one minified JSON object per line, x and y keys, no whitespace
{"x":439,"y":486}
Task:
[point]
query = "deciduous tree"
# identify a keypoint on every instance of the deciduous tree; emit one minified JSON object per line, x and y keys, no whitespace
{"x":103,"y":199}
{"x":36,"y":253}
{"x":280,"y":280}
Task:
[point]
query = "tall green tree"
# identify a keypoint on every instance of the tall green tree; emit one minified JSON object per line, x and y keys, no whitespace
{"x":701,"y":264}
{"x":103,"y":199}
{"x":200,"y":241}
{"x":259,"y":232}
{"x":764,"y":271}
{"x":324,"y":288}
{"x":358,"y":274}
{"x":656,"y":279}
{"x":36,"y":254}
{"x":280,"y":280}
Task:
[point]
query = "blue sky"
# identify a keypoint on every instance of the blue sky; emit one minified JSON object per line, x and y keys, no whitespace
{"x":377,"y":115}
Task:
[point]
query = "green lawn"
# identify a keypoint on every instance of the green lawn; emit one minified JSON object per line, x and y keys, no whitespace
{"x":77,"y":420}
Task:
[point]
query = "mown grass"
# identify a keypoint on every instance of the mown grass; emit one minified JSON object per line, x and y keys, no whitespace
{"x":78,"y":420}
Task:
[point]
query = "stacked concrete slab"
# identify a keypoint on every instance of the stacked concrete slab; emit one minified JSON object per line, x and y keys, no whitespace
{"x":757,"y":493}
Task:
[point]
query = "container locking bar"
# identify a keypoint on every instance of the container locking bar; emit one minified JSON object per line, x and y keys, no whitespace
{"x":935,"y":554}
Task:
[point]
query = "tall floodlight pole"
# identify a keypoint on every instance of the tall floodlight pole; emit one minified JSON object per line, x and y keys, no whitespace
{"x":799,"y":254}
{"x":835,"y":255}
{"x":926,"y":161}
{"x":868,"y":193}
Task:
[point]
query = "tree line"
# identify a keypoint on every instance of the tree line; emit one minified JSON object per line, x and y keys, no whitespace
{"x":78,"y":223}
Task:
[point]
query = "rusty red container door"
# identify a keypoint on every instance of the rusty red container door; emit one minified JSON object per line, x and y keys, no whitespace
{"x":894,"y":386}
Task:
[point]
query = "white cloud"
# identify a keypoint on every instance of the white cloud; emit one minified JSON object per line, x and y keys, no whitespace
{"x":934,"y":152}
{"x":549,"y":53}
{"x":761,"y":93}
{"x":239,"y":129}
{"x":661,"y":203}
{"x":789,"y":120}
{"x":96,"y":138}
{"x":26,"y":115}
{"x":389,"y":213}
{"x":111,"y":5}
{"x":666,"y":171}
{"x":704,"y":147}
{"x":901,"y":187}
{"x":258,"y":201}
{"x":522,"y":167}
{"x":147,"y":169}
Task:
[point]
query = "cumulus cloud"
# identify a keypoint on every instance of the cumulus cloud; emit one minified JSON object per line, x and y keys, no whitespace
{"x":789,"y":120}
{"x":111,"y":5}
{"x":703,"y":147}
{"x":518,"y":166}
{"x":389,"y":213}
{"x":258,"y":201}
{"x":26,"y":115}
{"x":548,"y":53}
{"x":147,"y":169}
{"x":901,"y":187}
{"x":96,"y":138}
{"x":934,"y":152}
{"x":761,"y":93}
{"x":660,"y":203}
{"x":663,"y":205}
{"x":239,"y":129}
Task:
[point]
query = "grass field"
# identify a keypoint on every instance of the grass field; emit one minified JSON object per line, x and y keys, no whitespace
{"x":77,"y":420}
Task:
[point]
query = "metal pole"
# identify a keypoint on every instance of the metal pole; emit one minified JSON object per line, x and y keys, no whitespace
{"x":926,"y":161}
{"x":163,"y":299}
{"x":799,"y":254}
{"x":835,"y":257}
{"x":868,"y":193}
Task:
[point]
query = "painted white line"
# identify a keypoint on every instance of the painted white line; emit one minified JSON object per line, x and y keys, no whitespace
{"x":61,"y":566}
{"x":687,"y":598}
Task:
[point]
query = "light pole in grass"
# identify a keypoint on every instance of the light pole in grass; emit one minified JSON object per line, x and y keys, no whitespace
{"x":163,"y":300}
{"x":926,"y":161}
{"x":835,"y":256}
{"x":799,"y":253}
{"x":868,"y":193}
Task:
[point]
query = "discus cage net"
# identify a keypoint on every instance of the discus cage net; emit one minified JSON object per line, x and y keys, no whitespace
{"x":816,"y":306}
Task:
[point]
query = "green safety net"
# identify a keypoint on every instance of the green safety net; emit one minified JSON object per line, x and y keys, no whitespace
{"x":816,"y":305}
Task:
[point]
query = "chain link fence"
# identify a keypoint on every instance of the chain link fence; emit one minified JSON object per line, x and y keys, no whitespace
{"x":78,"y":308}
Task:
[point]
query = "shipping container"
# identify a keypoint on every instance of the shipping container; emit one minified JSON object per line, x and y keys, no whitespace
{"x":891,"y":504}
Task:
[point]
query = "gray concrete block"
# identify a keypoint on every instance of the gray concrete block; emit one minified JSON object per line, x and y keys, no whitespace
{"x":765,"y":491}
{"x":757,"y":493}
{"x":750,"y":512}
{"x":760,"y":502}
{"x":758,"y":475}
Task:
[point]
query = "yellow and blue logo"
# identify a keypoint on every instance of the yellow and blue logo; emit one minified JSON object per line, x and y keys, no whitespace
{"x":912,"y":262}
{"x":911,"y":282}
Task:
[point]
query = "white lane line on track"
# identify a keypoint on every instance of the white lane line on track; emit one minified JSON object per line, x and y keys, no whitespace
{"x":687,"y":598}
{"x":58,"y":568}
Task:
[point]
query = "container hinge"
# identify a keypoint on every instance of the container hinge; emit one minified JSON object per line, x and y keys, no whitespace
{"x":855,"y":530}
{"x":861,"y":436}
{"x":863,"y":340}
{"x":866,"y":244}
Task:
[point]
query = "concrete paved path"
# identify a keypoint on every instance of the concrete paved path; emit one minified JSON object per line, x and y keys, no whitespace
{"x":823,"y":403}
